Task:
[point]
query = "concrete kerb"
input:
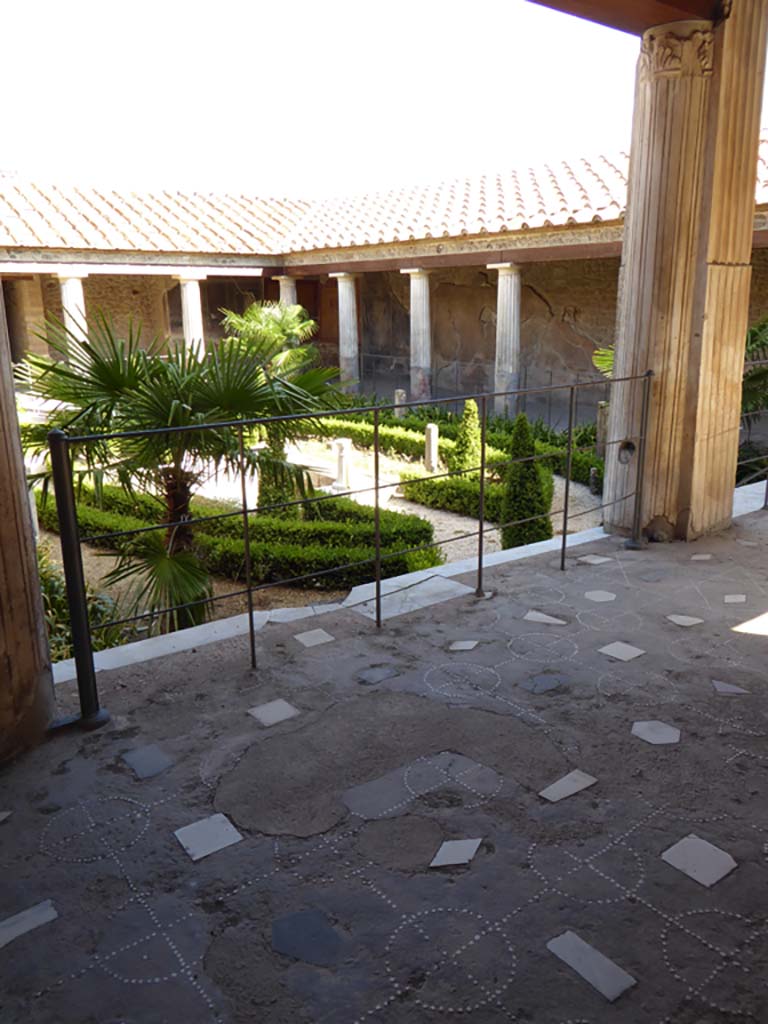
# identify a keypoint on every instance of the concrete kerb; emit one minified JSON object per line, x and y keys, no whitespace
{"x":746,"y":500}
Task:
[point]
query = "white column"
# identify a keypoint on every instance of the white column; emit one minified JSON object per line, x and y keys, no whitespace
{"x":349,"y":335}
{"x":507,"y":365}
{"x":421,"y":335}
{"x":73,"y":304}
{"x":192,"y":310}
{"x":287,"y":290}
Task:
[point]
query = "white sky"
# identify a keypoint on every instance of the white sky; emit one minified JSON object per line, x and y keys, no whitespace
{"x":304,"y":96}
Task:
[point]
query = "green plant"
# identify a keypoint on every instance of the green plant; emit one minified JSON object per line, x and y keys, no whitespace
{"x":466,"y":451}
{"x":104,"y":384}
{"x":101,"y":610}
{"x":603,"y":360}
{"x":525,"y":509}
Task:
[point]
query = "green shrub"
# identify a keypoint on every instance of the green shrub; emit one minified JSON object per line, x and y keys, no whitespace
{"x":461,"y":494}
{"x":466,"y":453}
{"x":524,"y":497}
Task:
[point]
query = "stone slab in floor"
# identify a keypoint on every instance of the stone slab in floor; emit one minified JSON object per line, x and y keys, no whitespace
{"x":207,"y":836}
{"x":147,"y":761}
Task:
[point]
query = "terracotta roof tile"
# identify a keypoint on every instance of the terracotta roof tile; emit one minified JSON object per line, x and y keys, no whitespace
{"x":552,"y":195}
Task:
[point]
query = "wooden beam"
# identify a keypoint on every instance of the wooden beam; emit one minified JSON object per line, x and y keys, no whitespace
{"x":635,"y":16}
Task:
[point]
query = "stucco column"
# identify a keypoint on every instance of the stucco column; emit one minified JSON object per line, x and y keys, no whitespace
{"x":685,"y":277}
{"x":507,"y":364}
{"x":73,"y":304}
{"x":192,"y":310}
{"x":349,"y":335}
{"x":287,"y":290}
{"x":26,"y":689}
{"x":421,"y":335}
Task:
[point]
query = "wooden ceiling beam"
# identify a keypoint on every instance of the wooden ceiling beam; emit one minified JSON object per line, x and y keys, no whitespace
{"x":636,"y":16}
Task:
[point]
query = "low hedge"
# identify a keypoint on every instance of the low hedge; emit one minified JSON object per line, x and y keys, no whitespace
{"x":461,"y":494}
{"x":407,"y":440}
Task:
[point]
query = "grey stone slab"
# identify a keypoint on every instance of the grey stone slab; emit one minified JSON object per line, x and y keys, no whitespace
{"x":600,"y":596}
{"x":148,"y":760}
{"x":273,"y":712}
{"x":207,"y":836}
{"x":594,"y":559}
{"x":702,"y":861}
{"x":594,"y":967}
{"x":571,"y":783}
{"x":4,"y":816}
{"x":290,"y":614}
{"x":543,"y":682}
{"x":735,"y":599}
{"x":463,"y":645}
{"x":546,"y":620}
{"x":26,"y":921}
{"x":728,"y":689}
{"x":657,"y":733}
{"x":454,"y":852}
{"x":621,"y":651}
{"x":308,"y":936}
{"x":313,"y":638}
{"x":377,"y":674}
{"x":701,"y":558}
{"x":685,"y":620}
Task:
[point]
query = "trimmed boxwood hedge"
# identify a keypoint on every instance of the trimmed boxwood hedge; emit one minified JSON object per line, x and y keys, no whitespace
{"x":461,"y":494}
{"x":280,"y":549}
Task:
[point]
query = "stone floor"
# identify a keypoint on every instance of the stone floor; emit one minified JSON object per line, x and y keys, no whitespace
{"x":323,"y":785}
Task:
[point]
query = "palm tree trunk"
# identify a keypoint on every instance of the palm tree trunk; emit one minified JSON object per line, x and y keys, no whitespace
{"x":177,"y":489}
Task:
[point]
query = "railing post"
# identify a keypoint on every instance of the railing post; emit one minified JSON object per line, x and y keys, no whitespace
{"x":247,"y":542}
{"x":635,"y":542}
{"x":91,"y":715}
{"x":568,"y":469}
{"x":481,"y":510}
{"x":377,"y":514}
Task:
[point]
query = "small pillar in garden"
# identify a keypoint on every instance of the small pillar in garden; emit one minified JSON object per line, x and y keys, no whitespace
{"x":431,"y":458}
{"x":400,"y":400}
{"x":343,"y":449}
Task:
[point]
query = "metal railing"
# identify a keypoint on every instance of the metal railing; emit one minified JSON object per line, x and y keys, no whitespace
{"x":71,"y":537}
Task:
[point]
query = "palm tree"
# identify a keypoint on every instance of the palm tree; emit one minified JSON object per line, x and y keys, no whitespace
{"x":105,"y":384}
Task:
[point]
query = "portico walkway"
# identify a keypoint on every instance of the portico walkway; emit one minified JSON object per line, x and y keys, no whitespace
{"x":325,"y":909}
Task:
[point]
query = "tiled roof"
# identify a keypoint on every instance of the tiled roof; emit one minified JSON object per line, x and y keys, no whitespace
{"x":557,"y":194}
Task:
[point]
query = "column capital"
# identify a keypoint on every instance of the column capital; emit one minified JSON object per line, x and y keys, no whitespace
{"x":191,"y":275}
{"x":283,"y":277}
{"x":71,"y":275}
{"x":416,"y":272}
{"x":344,"y":275}
{"x":503,"y":268}
{"x":682,"y":49}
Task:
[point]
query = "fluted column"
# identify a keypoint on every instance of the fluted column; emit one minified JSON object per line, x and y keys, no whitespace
{"x":507,"y":361}
{"x":26,"y":690}
{"x":192,"y":310}
{"x":684,"y":285}
{"x":349,"y":335}
{"x":73,"y":304}
{"x":287,"y":289}
{"x":421,"y":335}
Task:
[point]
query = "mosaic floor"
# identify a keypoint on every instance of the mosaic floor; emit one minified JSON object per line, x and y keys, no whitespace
{"x":546,"y":805}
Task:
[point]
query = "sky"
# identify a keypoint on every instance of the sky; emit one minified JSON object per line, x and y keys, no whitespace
{"x":307,"y":97}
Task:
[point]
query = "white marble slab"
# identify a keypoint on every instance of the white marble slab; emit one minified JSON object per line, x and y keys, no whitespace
{"x":571,"y":783}
{"x":547,"y":620}
{"x":600,"y":596}
{"x":608,"y":978}
{"x":728,"y":689}
{"x":621,"y":651}
{"x":207,"y":836}
{"x":455,"y":851}
{"x":735,"y":599}
{"x":594,"y":559}
{"x":290,"y":614}
{"x":657,"y":733}
{"x":700,"y":558}
{"x":313,"y":638}
{"x":700,"y":860}
{"x":463,"y":645}
{"x":26,"y":921}
{"x":275,"y":711}
{"x":433,"y":590}
{"x":685,"y":620}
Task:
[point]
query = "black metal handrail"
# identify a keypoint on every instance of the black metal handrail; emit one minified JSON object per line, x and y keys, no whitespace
{"x":63,"y":474}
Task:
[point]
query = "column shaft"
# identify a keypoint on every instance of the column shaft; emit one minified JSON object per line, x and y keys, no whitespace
{"x":421,"y":335}
{"x":684,"y":285}
{"x":73,"y":306}
{"x":287,"y":290}
{"x":349,"y":335}
{"x":192,"y":312}
{"x":507,"y":362}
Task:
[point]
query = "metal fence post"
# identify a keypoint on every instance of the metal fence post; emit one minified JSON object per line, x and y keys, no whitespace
{"x":481,"y":509}
{"x":247,"y":542}
{"x":377,"y":514}
{"x":635,"y":542}
{"x":91,"y":715}
{"x":568,"y":468}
